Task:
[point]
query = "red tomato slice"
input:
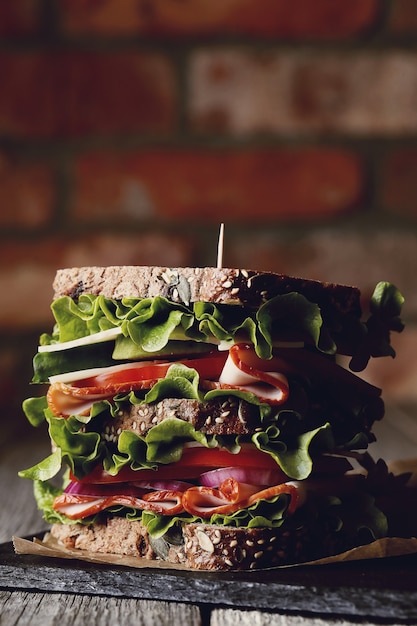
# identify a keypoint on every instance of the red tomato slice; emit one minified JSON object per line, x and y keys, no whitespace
{"x":249,"y":456}
{"x":208,"y":367}
{"x":195,"y":460}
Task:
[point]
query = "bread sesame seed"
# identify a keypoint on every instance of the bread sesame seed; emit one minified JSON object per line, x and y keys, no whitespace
{"x":258,"y":555}
{"x":253,"y":565}
{"x":233,"y":543}
{"x":219,"y":420}
{"x":245,"y":273}
{"x":225,"y":414}
{"x":249,"y":543}
{"x":273,"y":538}
{"x":154,"y":420}
{"x":134,"y":425}
{"x":235,"y":291}
{"x":143,"y":426}
{"x":228,"y":562}
{"x":119,"y":431}
{"x":260,"y":541}
{"x":208,"y":420}
{"x":227,"y":284}
{"x":175,"y":293}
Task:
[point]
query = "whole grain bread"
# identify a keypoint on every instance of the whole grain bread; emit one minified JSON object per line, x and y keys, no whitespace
{"x":220,"y":416}
{"x":204,"y":546}
{"x":207,"y":284}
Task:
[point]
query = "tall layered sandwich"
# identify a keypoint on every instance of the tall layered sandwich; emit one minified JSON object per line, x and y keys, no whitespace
{"x":202,"y":416}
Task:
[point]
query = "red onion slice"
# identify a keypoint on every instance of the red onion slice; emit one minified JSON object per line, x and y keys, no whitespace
{"x":250,"y":476}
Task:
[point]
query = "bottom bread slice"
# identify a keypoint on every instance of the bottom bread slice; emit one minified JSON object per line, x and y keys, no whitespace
{"x":200,"y":546}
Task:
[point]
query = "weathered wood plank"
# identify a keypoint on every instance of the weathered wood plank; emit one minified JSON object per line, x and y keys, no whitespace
{"x":40,"y":609}
{"x":18,"y":511}
{"x":231,"y":617}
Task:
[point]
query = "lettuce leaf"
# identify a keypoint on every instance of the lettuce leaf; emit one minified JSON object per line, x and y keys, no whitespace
{"x":45,"y":469}
{"x":262,"y":514}
{"x":34,"y":409}
{"x":295,"y":460}
{"x":151,"y":322}
{"x":385,"y":308}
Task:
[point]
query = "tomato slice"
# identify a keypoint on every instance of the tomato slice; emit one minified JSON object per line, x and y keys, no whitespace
{"x":209,"y":367}
{"x":248,"y":456}
{"x":195,"y":460}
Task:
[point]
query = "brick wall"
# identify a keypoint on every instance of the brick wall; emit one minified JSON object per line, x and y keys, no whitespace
{"x":130,"y":129}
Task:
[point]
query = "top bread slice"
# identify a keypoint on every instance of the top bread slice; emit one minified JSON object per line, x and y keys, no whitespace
{"x":202,"y":284}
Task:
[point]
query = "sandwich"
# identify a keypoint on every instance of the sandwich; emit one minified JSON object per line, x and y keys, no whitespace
{"x":212,"y":417}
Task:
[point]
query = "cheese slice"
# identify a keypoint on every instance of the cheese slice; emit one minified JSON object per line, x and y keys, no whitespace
{"x":104,"y":335}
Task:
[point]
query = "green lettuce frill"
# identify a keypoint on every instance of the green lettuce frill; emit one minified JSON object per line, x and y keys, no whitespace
{"x":150,"y":323}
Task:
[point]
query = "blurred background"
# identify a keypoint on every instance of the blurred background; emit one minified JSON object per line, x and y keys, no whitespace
{"x":129,"y":129}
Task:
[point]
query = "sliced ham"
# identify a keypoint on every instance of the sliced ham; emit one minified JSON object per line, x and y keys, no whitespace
{"x":232,"y":496}
{"x":77,"y":506}
{"x":203,"y":502}
{"x":246,"y":371}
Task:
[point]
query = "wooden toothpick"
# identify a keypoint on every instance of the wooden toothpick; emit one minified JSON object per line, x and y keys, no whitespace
{"x":220,"y":247}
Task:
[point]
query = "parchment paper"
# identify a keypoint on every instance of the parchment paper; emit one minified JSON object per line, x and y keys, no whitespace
{"x":382,"y":548}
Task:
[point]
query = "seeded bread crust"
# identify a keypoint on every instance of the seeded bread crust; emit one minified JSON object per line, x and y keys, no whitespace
{"x":202,"y":546}
{"x":225,"y":416}
{"x":207,"y":284}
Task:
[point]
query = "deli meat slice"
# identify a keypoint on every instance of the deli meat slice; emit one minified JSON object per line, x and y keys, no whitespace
{"x":231,"y":496}
{"x":203,"y":502}
{"x":77,"y":506}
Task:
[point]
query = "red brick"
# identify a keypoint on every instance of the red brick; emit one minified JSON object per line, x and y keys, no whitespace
{"x":76,"y":93}
{"x":288,"y":92}
{"x":27,"y":268}
{"x":19,"y":18}
{"x":399,"y":183}
{"x":206,"y":185}
{"x":321,"y":19}
{"x":361,"y":257}
{"x":403,"y":17}
{"x":27,"y":193}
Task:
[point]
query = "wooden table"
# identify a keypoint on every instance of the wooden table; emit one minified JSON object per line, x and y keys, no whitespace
{"x":41,"y":591}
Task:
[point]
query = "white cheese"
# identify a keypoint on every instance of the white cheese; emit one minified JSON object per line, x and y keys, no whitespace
{"x":104,"y":335}
{"x":70,"y":377}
